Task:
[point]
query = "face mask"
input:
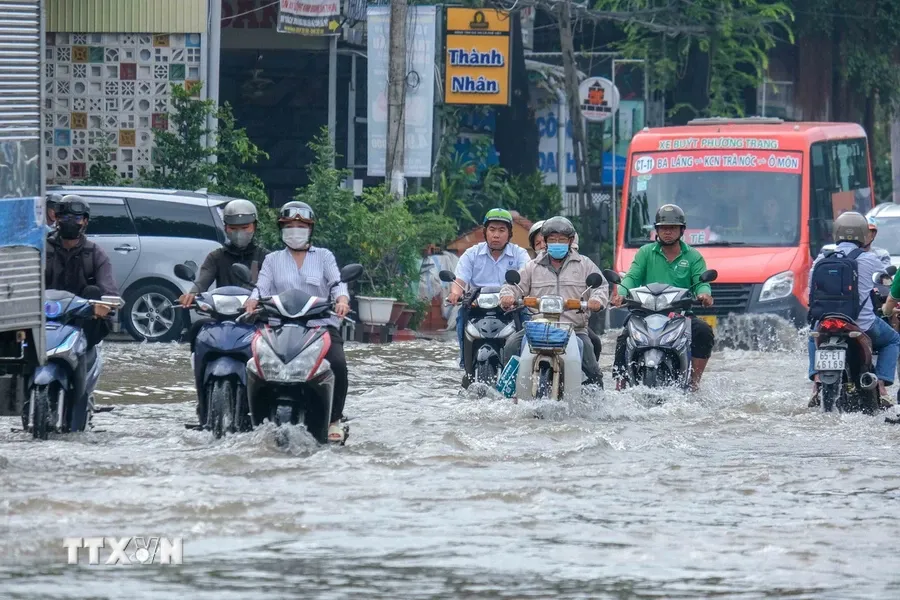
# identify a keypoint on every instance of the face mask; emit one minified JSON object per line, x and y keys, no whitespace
{"x":69,"y":230}
{"x":558,"y":251}
{"x":295,"y":238}
{"x":239,"y":239}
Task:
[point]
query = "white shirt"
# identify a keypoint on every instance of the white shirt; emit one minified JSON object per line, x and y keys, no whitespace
{"x":478,"y":268}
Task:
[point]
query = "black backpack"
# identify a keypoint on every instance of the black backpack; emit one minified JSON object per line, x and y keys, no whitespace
{"x":834,"y":287}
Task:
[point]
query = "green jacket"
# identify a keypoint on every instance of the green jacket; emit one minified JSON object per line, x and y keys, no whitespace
{"x":650,"y":266}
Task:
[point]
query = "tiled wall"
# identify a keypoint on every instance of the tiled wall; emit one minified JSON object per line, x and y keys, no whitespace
{"x":115,"y":86}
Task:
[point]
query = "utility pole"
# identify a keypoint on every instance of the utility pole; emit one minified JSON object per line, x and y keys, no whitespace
{"x":895,"y":157}
{"x":396,"y":138}
{"x":579,"y":141}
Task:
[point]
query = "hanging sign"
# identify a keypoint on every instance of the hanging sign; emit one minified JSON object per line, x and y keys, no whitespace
{"x":598,"y":98}
{"x":476,"y":62}
{"x":309,"y":17}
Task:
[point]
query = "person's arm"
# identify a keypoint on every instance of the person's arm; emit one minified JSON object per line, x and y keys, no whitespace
{"x":465,"y":268}
{"x":510,"y":293}
{"x":332,"y":275}
{"x":264,"y":283}
{"x":103,"y":273}
{"x":206,"y":275}
{"x":888,"y":308}
{"x":636,"y":273}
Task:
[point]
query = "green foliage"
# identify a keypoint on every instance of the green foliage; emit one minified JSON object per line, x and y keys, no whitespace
{"x":182,"y":161}
{"x":736,"y":35}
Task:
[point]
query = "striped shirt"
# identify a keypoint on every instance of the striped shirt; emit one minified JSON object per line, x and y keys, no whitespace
{"x":279,"y":273}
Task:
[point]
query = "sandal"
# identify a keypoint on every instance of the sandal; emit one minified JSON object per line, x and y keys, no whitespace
{"x":337,"y":433}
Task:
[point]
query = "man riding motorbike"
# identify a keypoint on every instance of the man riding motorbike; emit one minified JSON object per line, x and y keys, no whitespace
{"x":883,"y":255}
{"x":241,"y":219}
{"x":74,"y":262}
{"x":313,"y":270}
{"x":485,"y":264}
{"x":559,"y":271}
{"x":669,"y":260}
{"x":850,"y":232}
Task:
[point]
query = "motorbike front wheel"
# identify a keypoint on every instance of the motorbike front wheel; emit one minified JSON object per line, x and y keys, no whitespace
{"x":220,"y":410}
{"x":545,"y":382}
{"x":40,"y":423}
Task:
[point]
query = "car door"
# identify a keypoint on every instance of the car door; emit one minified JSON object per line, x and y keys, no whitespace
{"x":112,"y":228}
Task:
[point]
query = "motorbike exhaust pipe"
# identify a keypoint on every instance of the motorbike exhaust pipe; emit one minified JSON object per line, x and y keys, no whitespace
{"x":868,"y":381}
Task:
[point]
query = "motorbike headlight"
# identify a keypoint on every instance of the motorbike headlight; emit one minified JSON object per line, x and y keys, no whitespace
{"x":672,"y":335}
{"x":228,"y":305}
{"x":636,"y":334}
{"x":66,"y":345}
{"x":777,"y":286}
{"x":298,"y":369}
{"x":552,"y":305}
{"x":488,"y":300}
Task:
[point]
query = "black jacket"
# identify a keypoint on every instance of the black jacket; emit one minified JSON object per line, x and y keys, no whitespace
{"x":217,"y":266}
{"x":74,"y":269}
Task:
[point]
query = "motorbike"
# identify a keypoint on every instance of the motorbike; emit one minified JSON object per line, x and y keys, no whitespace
{"x":60,"y":394}
{"x":289,"y":380}
{"x":658,"y":349}
{"x":487,"y":328}
{"x":219,"y":361}
{"x":882,"y":281}
{"x":552,"y":367}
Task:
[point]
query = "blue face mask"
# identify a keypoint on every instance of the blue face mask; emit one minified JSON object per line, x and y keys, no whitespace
{"x":558,"y":251}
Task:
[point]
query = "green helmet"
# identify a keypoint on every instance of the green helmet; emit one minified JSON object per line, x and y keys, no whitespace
{"x":670,"y":214}
{"x":499,"y":214}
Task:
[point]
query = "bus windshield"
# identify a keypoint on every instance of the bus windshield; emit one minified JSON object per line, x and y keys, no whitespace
{"x":744,"y":198}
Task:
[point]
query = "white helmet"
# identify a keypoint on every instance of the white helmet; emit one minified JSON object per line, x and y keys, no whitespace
{"x":535,"y":229}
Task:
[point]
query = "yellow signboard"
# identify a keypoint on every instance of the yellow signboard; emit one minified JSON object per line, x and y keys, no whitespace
{"x":476,"y":60}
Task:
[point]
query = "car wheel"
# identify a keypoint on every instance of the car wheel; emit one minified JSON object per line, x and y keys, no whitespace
{"x":151,"y":314}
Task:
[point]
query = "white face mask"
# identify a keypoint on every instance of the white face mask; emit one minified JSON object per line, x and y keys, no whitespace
{"x":296,"y":238}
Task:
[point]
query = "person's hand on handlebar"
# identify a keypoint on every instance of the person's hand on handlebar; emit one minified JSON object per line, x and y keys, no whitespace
{"x":507,"y":302}
{"x":101,"y":310}
{"x":187,"y":300}
{"x":594,"y":305}
{"x":250,"y":305}
{"x":342,"y":307}
{"x":705,"y":299}
{"x":617,"y":300}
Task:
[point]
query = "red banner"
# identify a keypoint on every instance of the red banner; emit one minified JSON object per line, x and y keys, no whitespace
{"x":717,"y":160}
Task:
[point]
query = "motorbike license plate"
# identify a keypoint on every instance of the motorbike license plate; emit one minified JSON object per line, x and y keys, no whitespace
{"x":711,"y":320}
{"x":830,"y":360}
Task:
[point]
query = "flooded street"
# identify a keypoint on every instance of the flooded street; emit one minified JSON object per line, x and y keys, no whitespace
{"x":736,"y":492}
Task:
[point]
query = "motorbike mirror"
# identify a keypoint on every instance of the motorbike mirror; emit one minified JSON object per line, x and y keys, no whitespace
{"x":183,"y":271}
{"x":241,"y":272}
{"x":891,"y":270}
{"x":117,"y":300}
{"x":594,"y":280}
{"x":351,"y":272}
{"x":447,"y":276}
{"x":709,"y":275}
{"x":91,"y":292}
{"x":612,"y":276}
{"x":513,"y":277}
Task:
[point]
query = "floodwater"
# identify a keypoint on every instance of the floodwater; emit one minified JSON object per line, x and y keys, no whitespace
{"x":736,"y":492}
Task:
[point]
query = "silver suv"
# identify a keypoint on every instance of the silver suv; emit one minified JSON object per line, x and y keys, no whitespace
{"x":146,"y":232}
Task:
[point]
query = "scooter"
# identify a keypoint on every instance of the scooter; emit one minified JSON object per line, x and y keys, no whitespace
{"x":552,"y":367}
{"x":658,"y":350}
{"x":487,"y":328}
{"x":289,"y":379}
{"x":61,"y":392}
{"x":221,"y":352}
{"x":844,"y":363}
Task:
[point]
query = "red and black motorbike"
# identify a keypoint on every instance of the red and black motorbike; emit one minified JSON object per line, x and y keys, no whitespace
{"x":845,"y":365}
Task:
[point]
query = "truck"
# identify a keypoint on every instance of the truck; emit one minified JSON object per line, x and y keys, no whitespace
{"x":22,"y":192}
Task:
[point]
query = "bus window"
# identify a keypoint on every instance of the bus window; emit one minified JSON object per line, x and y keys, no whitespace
{"x":839,"y":183}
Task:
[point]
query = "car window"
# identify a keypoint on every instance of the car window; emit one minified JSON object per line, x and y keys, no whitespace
{"x":172,"y":219}
{"x":109,"y":218}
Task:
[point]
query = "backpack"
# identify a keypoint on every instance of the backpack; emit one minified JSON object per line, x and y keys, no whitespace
{"x":834,"y":286}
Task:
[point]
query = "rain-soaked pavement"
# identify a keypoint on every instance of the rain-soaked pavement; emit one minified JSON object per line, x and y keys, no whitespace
{"x":736,"y":492}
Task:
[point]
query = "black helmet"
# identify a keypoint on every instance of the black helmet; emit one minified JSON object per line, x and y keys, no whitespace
{"x":558,"y":225}
{"x":670,"y":214}
{"x":73,"y":204}
{"x":296,"y":211}
{"x":239,"y":212}
{"x":53,"y":201}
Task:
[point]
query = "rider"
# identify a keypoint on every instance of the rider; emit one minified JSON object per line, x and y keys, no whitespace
{"x":53,"y":201}
{"x":669,"y":260}
{"x":561,"y":270}
{"x":241,"y":220}
{"x":883,"y":255}
{"x":535,"y":239}
{"x":313,"y":270}
{"x":74,"y":263}
{"x":850,"y":231}
{"x":485,"y":264}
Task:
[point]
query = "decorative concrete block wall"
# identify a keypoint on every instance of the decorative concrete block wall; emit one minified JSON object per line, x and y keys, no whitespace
{"x":113,"y":86}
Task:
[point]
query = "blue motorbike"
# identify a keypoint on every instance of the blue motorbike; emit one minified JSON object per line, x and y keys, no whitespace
{"x":221,"y":352}
{"x":60,"y":394}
